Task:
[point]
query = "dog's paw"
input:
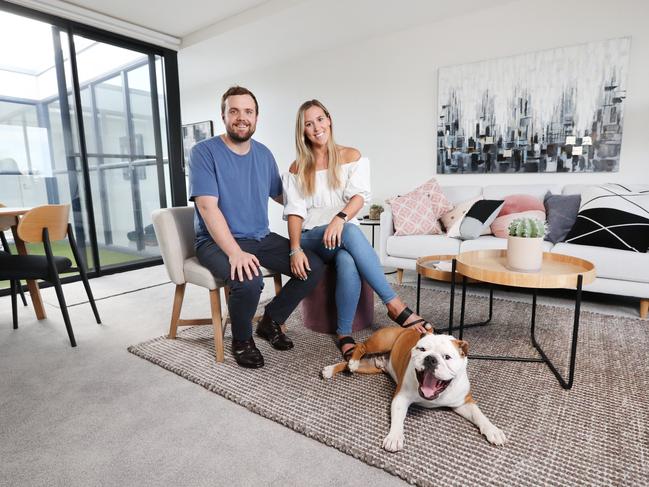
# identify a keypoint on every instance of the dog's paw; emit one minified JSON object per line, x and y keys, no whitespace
{"x":495,"y":436}
{"x":328,"y":372}
{"x":393,"y":442}
{"x":353,"y":365}
{"x":380,"y":362}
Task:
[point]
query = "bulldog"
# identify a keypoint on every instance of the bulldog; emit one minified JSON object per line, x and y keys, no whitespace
{"x":429,"y":370}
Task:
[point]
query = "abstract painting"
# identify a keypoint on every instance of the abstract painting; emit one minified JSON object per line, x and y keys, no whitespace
{"x":559,"y":110}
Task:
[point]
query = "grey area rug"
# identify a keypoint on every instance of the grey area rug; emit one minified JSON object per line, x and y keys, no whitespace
{"x":595,"y":434}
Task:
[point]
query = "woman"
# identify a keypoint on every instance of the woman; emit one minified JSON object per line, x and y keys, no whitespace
{"x":325,"y":188}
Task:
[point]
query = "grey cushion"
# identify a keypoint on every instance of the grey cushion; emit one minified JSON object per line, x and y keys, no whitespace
{"x":561,"y":213}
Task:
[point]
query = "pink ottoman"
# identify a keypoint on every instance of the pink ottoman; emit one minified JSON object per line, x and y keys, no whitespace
{"x":319,"y":308}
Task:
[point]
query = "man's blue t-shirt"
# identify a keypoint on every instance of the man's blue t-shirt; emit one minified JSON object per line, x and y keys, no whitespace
{"x":243,"y":185}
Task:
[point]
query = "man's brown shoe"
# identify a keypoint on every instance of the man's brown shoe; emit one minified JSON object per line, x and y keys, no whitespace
{"x":271,"y":331}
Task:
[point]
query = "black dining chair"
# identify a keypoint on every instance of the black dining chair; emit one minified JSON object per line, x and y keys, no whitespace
{"x":46,"y":224}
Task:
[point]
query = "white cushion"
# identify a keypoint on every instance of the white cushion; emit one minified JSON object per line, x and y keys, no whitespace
{"x":536,"y":190}
{"x":610,"y":263}
{"x":415,"y":246}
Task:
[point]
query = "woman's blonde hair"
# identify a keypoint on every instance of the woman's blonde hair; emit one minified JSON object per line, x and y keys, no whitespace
{"x":305,"y":160}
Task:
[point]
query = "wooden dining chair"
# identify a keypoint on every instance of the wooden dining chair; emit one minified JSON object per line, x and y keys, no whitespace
{"x":46,"y":224}
{"x":6,"y":222}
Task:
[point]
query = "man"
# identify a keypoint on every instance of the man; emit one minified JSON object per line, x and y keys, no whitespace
{"x":231,"y":178}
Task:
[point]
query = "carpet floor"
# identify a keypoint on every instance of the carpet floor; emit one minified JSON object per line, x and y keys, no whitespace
{"x":597,"y":433}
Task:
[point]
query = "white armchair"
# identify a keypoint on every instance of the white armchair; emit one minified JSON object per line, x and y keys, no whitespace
{"x":174,"y":228}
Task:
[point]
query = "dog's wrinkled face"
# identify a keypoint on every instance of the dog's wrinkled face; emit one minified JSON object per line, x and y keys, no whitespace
{"x":438,"y":359}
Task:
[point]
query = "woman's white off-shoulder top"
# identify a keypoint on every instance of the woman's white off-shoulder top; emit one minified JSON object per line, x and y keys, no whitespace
{"x":320,"y":208}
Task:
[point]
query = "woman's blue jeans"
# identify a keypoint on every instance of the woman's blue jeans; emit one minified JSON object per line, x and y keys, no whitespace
{"x":355,"y":259}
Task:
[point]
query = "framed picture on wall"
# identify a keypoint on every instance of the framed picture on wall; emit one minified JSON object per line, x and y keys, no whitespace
{"x":194,"y":133}
{"x":553,"y":111}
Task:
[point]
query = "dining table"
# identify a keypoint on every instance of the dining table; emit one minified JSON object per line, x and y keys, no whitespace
{"x":32,"y":284}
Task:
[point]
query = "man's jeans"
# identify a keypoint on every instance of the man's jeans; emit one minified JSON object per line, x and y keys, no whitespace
{"x":272,"y":253}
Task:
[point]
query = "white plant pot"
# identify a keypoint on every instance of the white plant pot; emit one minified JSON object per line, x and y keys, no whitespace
{"x":524,"y":254}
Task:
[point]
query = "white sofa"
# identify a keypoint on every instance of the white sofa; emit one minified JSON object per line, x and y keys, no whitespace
{"x":619,"y":272}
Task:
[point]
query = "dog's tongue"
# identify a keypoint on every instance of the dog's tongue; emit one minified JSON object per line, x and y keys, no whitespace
{"x":430,"y":386}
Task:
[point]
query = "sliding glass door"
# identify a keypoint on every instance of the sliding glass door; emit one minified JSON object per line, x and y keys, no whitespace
{"x":83,"y":120}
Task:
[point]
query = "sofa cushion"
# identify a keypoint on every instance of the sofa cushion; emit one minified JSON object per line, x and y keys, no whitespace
{"x":415,"y":246}
{"x":489,"y":242}
{"x":609,"y":263}
{"x":500,"y":226}
{"x":418,"y":212}
{"x":561,"y":213}
{"x":453,"y":219}
{"x":479,"y":217}
{"x":517,"y":203}
{"x":612,"y":216}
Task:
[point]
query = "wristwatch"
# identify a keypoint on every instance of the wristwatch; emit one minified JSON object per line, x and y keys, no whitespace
{"x":342,"y":215}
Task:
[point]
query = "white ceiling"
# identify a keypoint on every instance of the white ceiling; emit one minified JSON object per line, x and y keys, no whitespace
{"x":261,"y":37}
{"x":172,"y":17}
{"x":221,"y":39}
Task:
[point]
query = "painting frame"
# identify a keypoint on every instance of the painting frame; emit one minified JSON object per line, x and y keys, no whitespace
{"x":194,"y":133}
{"x":558,"y":110}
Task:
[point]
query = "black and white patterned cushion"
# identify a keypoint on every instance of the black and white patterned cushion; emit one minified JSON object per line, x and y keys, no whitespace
{"x":479,"y":216}
{"x":613,"y":216}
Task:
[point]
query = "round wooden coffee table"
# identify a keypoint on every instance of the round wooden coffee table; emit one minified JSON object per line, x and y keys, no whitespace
{"x":557,"y":272}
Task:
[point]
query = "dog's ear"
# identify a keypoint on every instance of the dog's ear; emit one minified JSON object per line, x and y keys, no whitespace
{"x":462,"y":346}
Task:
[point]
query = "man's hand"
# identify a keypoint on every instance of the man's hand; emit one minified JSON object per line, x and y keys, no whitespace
{"x":332,"y":237}
{"x":242,"y":262}
{"x":300,"y":265}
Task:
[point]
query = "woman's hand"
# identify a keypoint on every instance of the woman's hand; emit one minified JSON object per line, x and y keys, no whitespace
{"x":333,"y":235}
{"x":300,"y":265}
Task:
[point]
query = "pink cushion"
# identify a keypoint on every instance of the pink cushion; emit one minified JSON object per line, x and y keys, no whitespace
{"x":517,"y":203}
{"x":418,"y":212}
{"x":500,"y":225}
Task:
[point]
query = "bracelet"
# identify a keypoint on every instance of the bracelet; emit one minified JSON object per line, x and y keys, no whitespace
{"x":295,"y":251}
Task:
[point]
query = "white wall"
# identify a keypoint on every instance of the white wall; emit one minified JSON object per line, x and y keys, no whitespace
{"x":382,"y":93}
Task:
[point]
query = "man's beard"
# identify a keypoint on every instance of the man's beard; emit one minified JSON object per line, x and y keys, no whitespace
{"x":237,"y":138}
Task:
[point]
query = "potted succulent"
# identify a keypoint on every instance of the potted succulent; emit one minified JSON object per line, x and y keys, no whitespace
{"x":525,"y":244}
{"x":375,"y":212}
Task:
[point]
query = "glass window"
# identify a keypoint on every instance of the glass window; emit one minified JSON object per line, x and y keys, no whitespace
{"x":41,"y":160}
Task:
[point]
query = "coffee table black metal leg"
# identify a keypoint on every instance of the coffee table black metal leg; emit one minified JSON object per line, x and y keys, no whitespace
{"x":533,"y":323}
{"x":462,"y":307}
{"x":418,"y":290}
{"x":573,"y":346}
{"x":491,"y":311}
{"x":452,"y":305}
